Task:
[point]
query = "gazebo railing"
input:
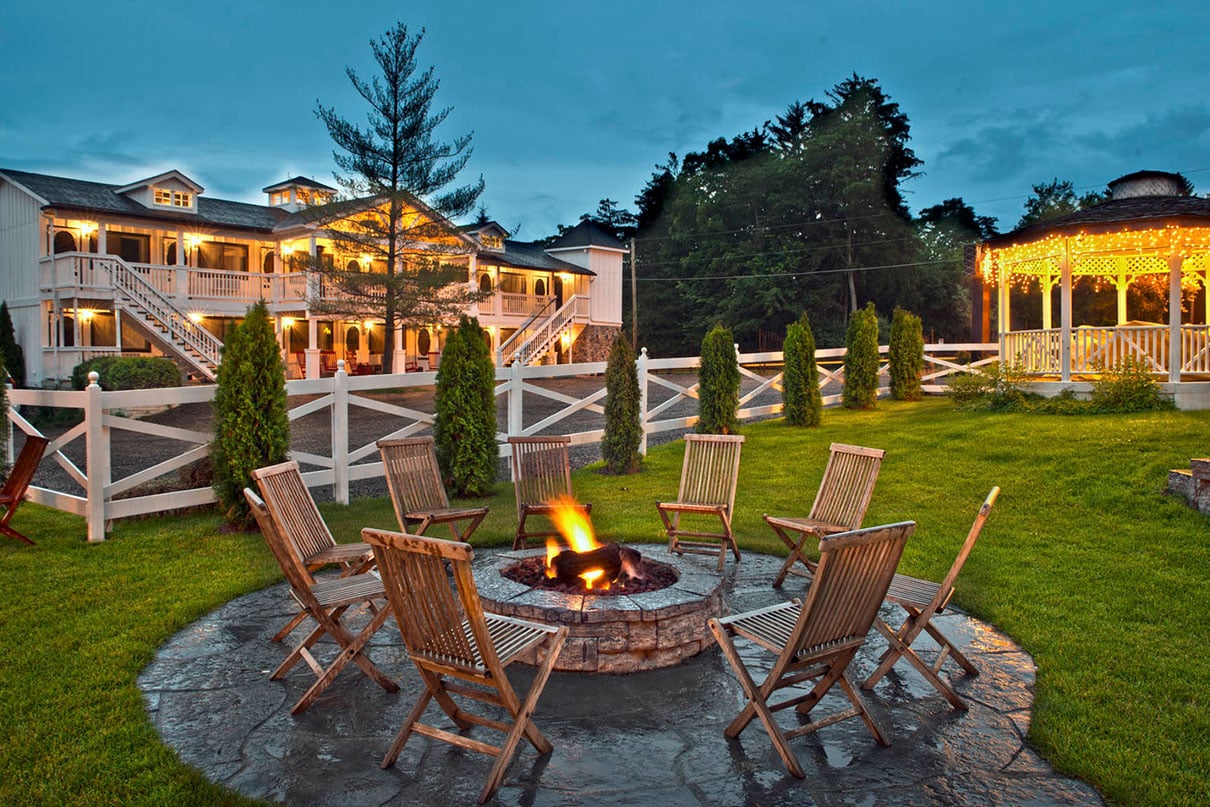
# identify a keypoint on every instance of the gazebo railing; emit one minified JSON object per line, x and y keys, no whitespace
{"x":1039,"y":352}
{"x":1195,"y":348}
{"x":1034,"y":352}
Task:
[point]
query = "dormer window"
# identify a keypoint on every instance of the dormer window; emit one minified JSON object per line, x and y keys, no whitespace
{"x":491,"y":241}
{"x":171,"y":198}
{"x":279,"y":198}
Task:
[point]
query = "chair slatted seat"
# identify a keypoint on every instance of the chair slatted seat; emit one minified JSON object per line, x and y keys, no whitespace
{"x":449,"y":635}
{"x":326,"y":602}
{"x":840,"y":504}
{"x":817,"y":639}
{"x":923,"y":599}
{"x":17,"y":484}
{"x":709,"y":477}
{"x":283,"y":487}
{"x":417,"y":492}
{"x":541,"y":475}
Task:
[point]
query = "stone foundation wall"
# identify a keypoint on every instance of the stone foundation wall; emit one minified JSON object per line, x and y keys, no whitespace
{"x":594,"y":342}
{"x":1193,"y":485}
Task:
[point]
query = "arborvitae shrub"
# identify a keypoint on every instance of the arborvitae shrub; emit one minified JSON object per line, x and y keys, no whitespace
{"x":10,"y":351}
{"x":800,"y":382}
{"x":127,"y":372}
{"x":861,"y":360}
{"x":718,"y":384}
{"x":906,"y":356}
{"x":464,"y":428}
{"x":623,"y":426}
{"x":251,"y":424}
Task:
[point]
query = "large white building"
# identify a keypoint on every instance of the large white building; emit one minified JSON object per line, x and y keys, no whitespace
{"x":155,"y":267}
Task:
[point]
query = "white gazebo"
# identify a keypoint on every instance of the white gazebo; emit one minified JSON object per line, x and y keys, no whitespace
{"x":1151,"y":232}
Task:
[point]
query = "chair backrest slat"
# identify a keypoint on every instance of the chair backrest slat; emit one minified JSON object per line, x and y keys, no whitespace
{"x":853,"y":575}
{"x":711,"y":469}
{"x":848,"y":485}
{"x":25,"y":466}
{"x":284,"y":551}
{"x":414,"y":479}
{"x":947,"y":585}
{"x":541,"y":468}
{"x":429,"y":606}
{"x":294,"y":511}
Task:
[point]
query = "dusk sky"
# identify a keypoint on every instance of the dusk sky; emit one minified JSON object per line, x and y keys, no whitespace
{"x":571,"y":103}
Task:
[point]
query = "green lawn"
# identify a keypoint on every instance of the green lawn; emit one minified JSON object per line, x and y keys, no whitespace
{"x":1085,"y":562}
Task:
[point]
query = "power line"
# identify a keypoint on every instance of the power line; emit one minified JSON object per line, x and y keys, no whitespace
{"x":796,"y":251}
{"x":912,"y":264}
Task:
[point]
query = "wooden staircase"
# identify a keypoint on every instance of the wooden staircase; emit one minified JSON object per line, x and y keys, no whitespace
{"x":536,"y":339}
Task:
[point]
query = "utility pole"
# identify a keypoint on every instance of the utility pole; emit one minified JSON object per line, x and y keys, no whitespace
{"x":634,"y":298}
{"x":852,"y":284}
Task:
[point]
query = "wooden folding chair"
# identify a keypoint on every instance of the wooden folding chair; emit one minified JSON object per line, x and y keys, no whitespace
{"x":417,"y":492}
{"x":13,"y":492}
{"x":817,"y":639}
{"x":923,"y":599}
{"x":541,"y":475}
{"x":840,"y":505}
{"x":448,"y":635}
{"x":708,"y":480}
{"x":326,"y":602}
{"x":290,"y":501}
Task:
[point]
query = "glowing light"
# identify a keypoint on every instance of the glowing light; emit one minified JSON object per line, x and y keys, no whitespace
{"x":368,"y":324}
{"x":566,"y":339}
{"x":197,"y":317}
{"x":287,"y":322}
{"x":87,"y":228}
{"x":85,"y":314}
{"x":193,"y":239}
{"x":287,"y":250}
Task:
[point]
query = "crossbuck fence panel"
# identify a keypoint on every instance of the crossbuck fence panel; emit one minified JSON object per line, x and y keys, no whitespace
{"x":336,"y":421}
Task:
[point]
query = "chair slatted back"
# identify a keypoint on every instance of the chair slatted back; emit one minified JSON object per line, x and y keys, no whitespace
{"x":284,"y":553}
{"x":410,"y":465}
{"x":541,"y":468}
{"x":711,"y":469}
{"x":293,"y":509}
{"x":848,"y":485}
{"x":947,"y":585}
{"x":430,"y":611}
{"x":851,"y":580}
{"x":23,"y":469}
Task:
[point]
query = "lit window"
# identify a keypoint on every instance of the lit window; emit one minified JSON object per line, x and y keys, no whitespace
{"x":491,"y":241}
{"x":180,"y":199}
{"x":163,"y":196}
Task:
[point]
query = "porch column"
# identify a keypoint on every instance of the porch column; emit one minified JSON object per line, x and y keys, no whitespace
{"x":1065,"y":316}
{"x":181,"y":275}
{"x":102,"y":245}
{"x":398,"y":356}
{"x":312,"y":350}
{"x":1123,"y":284}
{"x":1174,"y":317}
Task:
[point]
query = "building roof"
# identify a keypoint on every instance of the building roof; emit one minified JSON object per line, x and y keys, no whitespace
{"x":526,"y":255}
{"x":62,"y":193}
{"x":1137,"y":212}
{"x":587,"y":233}
{"x":299,"y":181}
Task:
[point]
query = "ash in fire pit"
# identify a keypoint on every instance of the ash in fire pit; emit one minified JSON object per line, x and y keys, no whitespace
{"x":654,"y":576}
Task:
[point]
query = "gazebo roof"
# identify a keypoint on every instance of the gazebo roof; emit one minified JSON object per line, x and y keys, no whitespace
{"x":1134,"y":213}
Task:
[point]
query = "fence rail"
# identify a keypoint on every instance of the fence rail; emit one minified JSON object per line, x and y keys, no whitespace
{"x":356,"y":411}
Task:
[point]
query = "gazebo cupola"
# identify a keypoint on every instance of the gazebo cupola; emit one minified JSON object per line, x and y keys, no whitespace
{"x":1149,"y":242}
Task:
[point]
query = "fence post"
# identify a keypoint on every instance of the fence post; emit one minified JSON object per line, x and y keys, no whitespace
{"x":96,"y":442}
{"x":516,"y":396}
{"x":340,"y":434}
{"x":640,"y":365}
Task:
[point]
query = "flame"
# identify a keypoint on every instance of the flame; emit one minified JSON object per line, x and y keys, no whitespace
{"x":573,"y":524}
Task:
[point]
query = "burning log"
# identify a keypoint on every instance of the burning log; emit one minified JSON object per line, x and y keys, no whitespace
{"x":612,"y":559}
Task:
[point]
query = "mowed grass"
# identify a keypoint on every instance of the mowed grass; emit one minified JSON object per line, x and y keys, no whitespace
{"x":1085,"y":562}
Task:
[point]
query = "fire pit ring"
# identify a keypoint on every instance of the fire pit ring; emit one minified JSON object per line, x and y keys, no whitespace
{"x":614,"y":634}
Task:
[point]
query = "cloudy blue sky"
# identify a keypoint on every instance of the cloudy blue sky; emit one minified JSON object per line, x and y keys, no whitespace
{"x":574,"y":102}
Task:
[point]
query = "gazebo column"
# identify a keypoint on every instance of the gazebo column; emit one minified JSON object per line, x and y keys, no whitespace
{"x":1004,"y":317}
{"x":1065,"y":317}
{"x":1123,"y":283}
{"x":1046,"y":283}
{"x":1174,"y":317}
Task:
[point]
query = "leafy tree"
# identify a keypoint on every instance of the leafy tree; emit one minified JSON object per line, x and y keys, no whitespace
{"x":1056,"y":198}
{"x":906,"y":356}
{"x":800,"y":381}
{"x":861,"y":360}
{"x":623,"y":421}
{"x":251,"y":424}
{"x":718,"y":384}
{"x":396,"y":177}
{"x":790,"y":127}
{"x":944,"y":231}
{"x":464,"y":429}
{"x":10,"y":351}
{"x":619,"y":221}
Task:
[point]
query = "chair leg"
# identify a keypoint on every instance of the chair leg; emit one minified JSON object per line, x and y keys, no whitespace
{"x":5,"y":529}
{"x":795,"y":556}
{"x":955,"y":654}
{"x":862,"y":711}
{"x":351,"y":650}
{"x":905,"y":635}
{"x":289,"y":627}
{"x":899,"y":649}
{"x":405,"y":731}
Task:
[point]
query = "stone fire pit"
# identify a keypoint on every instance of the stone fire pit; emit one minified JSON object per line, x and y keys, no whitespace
{"x":613,"y":634}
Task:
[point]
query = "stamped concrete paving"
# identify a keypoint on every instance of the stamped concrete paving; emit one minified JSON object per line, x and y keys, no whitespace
{"x":646,"y":738}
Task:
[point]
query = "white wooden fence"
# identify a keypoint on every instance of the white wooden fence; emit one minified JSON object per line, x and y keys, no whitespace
{"x":564,"y":399}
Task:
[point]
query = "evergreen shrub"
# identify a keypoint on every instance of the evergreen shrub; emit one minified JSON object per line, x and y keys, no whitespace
{"x":906,"y":358}
{"x":800,"y":382}
{"x":464,"y":428}
{"x":127,"y":372}
{"x":251,"y":424}
{"x":718,"y":384}
{"x":623,"y":423}
{"x":10,"y":351}
{"x":861,"y":360}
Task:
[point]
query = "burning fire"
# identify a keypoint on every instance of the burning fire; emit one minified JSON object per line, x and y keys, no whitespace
{"x":573,"y":524}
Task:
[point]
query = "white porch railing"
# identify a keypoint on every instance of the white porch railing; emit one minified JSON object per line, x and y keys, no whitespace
{"x":565,"y":399}
{"x":522,"y":304}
